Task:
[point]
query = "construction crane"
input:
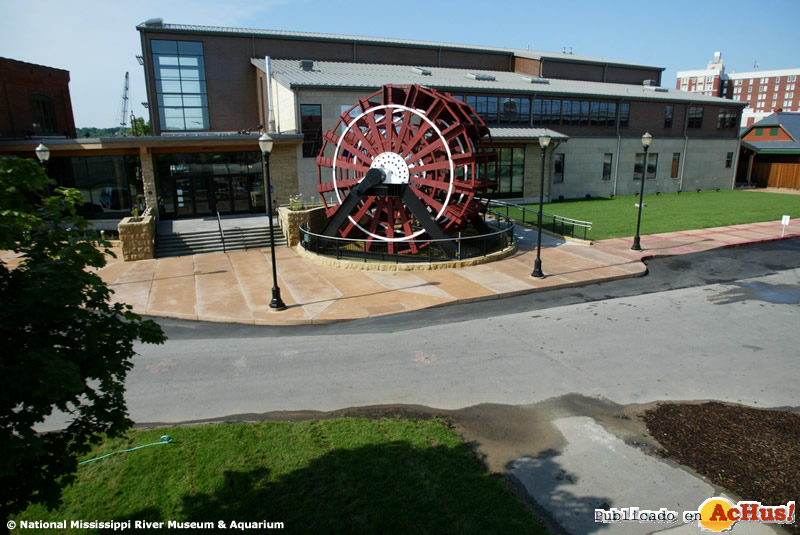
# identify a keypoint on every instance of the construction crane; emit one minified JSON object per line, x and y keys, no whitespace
{"x":123,"y":122}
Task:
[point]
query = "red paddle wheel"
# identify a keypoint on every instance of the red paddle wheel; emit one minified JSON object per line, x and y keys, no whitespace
{"x":405,"y":165}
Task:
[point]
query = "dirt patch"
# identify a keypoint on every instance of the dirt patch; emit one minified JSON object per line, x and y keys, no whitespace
{"x":754,"y":453}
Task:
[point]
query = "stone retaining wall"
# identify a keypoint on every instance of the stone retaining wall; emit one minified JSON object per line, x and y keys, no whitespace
{"x":292,"y":219}
{"x":137,"y":238}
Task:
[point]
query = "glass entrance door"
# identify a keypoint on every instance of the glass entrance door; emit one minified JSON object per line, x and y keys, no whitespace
{"x":184,"y":199}
{"x":222,"y":194}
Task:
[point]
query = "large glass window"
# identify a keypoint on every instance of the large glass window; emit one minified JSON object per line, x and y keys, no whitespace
{"x":515,"y":110}
{"x":311,"y":123}
{"x":180,"y":84}
{"x":110,"y":185}
{"x":511,"y":171}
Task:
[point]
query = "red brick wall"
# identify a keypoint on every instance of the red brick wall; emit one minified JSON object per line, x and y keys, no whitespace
{"x":765,"y":136}
{"x":19,"y":81}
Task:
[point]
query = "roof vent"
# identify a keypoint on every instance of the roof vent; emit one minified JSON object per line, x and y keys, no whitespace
{"x":535,"y":80}
{"x":154,"y":23}
{"x":481,"y":77}
{"x":420,"y":70}
{"x":307,"y":64}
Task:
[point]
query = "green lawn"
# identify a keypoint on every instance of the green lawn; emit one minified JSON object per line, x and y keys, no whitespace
{"x":349,"y":475}
{"x":616,"y":217}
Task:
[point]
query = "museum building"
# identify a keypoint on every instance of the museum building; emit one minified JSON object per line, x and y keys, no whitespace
{"x":211,"y":90}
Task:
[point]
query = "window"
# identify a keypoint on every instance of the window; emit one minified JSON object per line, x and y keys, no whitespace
{"x":738,"y":82}
{"x":777,"y":79}
{"x":760,"y":105}
{"x":762,"y":97}
{"x":750,"y":89}
{"x":607,"y":159}
{"x":311,"y":125}
{"x":791,"y":78}
{"x":624,"y":114}
{"x":668,"y":109}
{"x":789,"y":95}
{"x":484,"y":106}
{"x":515,"y":110}
{"x":695,"y":117}
{"x":762,"y":89}
{"x":729,"y":160}
{"x":511,"y":166}
{"x":764,"y":80}
{"x":787,"y":103}
{"x":676,"y":162}
{"x":558,"y":168}
{"x":43,"y":114}
{"x":652,"y":164}
{"x":759,"y":132}
{"x":773,"y":132}
{"x":546,"y":111}
{"x":726,"y":118}
{"x":180,"y":84}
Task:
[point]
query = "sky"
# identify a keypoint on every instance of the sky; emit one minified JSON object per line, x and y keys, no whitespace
{"x":97,"y":40}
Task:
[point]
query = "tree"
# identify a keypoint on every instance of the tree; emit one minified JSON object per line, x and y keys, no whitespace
{"x":140,"y":127}
{"x":67,"y":348}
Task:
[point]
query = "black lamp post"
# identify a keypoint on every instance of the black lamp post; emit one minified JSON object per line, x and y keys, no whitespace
{"x":544,"y":141}
{"x":646,"y":140}
{"x":265,"y":143}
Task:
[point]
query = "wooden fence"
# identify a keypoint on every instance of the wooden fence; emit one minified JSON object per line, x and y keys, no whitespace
{"x":777,"y":175}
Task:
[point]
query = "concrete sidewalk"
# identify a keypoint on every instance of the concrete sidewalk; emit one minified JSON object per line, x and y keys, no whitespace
{"x":236,"y":287}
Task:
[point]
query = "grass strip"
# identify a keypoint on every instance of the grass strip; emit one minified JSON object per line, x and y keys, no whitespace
{"x":348,"y":475}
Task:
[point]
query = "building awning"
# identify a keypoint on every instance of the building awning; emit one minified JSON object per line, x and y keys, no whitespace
{"x":525,"y":134}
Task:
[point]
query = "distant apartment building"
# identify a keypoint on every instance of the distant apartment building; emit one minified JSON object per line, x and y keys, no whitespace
{"x":764,"y":92}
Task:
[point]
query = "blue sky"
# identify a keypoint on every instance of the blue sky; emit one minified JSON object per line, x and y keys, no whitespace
{"x":97,"y":41}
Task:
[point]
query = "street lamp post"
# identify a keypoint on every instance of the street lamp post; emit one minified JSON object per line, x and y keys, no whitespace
{"x":544,"y":141}
{"x":647,"y":139}
{"x":265,"y":143}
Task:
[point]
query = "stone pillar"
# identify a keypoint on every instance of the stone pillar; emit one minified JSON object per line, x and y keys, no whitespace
{"x":137,"y":238}
{"x":292,"y":219}
{"x":149,"y":180}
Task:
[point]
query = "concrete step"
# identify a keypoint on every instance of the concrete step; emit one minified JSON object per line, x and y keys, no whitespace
{"x":236,"y":239}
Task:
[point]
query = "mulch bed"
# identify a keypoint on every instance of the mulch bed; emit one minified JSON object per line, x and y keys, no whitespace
{"x":753,"y":453}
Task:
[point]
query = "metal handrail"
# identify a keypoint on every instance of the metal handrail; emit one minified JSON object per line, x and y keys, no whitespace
{"x":221,"y":233}
{"x":564,"y":222}
{"x":338,"y":246}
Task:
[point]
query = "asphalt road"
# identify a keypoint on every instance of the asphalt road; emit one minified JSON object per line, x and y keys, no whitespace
{"x":717,"y":325}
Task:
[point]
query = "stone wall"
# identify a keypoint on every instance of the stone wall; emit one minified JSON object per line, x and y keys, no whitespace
{"x":137,"y":238}
{"x":292,"y":219}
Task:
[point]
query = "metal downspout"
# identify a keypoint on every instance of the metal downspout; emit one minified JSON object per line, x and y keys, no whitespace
{"x":619,"y":144}
{"x":270,"y":119}
{"x":685,"y":143}
{"x":736,"y":162}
